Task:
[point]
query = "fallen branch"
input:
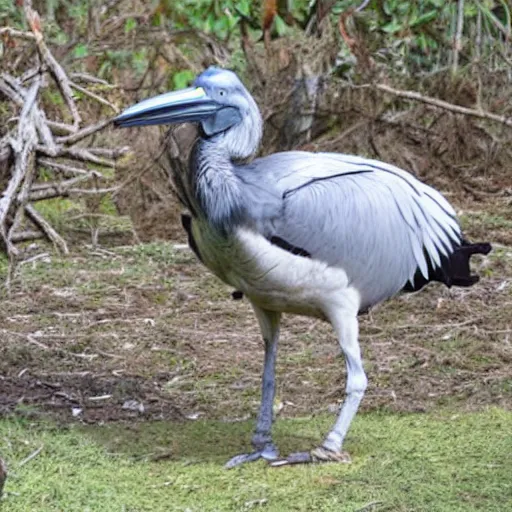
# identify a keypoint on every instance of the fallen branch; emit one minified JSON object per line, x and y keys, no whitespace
{"x":11,"y":86}
{"x":76,"y":153}
{"x":91,"y":79}
{"x":25,"y":236}
{"x":428,"y":100}
{"x":22,"y":148}
{"x":12,"y":32}
{"x":50,"y":190}
{"x":63,"y":168}
{"x":86,"y":132}
{"x":46,"y":228}
{"x":47,"y":57}
{"x":94,"y":96}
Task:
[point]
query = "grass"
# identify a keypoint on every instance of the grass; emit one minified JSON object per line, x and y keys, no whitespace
{"x":148,"y":323}
{"x":447,"y":462}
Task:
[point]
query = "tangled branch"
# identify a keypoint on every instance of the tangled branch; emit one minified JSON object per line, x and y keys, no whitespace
{"x":37,"y":146}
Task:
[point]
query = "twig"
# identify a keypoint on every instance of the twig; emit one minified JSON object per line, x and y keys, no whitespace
{"x":82,"y":134}
{"x":32,"y":340}
{"x":64,"y":168}
{"x":416,"y":96}
{"x":112,"y":153}
{"x":45,"y":227}
{"x":33,"y":455}
{"x":81,"y":154}
{"x":362,"y":6}
{"x":12,"y":32}
{"x":94,"y":96}
{"x":25,"y":236}
{"x":42,"y":191}
{"x":60,"y":128}
{"x":369,"y":506}
{"x":93,"y":191}
{"x":54,"y":67}
{"x":19,"y":95}
{"x":90,"y":78}
{"x":7,"y":90}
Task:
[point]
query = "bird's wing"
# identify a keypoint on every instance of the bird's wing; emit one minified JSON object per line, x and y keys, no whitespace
{"x":377,"y":222}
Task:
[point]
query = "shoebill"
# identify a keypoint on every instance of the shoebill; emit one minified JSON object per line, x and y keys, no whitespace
{"x":324,"y":235}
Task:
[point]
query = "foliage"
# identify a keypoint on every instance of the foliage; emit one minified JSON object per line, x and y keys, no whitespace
{"x":406,"y":37}
{"x":419,"y":36}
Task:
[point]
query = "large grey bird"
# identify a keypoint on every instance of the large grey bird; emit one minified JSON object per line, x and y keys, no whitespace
{"x":318,"y":234}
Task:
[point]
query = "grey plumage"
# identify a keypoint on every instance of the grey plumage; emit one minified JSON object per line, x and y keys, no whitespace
{"x":325,"y":235}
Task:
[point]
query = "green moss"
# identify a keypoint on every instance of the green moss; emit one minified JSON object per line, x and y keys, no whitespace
{"x":409,"y":462}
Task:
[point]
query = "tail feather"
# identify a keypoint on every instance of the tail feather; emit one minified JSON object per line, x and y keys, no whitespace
{"x":455,"y":269}
{"x":461,"y":271}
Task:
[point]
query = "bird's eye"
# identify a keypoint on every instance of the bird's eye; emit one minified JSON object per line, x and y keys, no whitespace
{"x":222,"y":92}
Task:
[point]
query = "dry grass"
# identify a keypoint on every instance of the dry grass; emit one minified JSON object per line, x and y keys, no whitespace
{"x":148,"y":323}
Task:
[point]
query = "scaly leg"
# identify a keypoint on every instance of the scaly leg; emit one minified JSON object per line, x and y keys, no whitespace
{"x":262,"y":438}
{"x":346,"y":326}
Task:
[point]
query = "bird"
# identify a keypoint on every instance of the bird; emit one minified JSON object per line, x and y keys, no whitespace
{"x":323,"y":235}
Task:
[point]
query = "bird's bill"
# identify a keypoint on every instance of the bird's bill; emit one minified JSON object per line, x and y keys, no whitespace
{"x":185,"y":106}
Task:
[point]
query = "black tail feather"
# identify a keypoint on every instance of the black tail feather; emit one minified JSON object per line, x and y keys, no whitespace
{"x":455,"y":270}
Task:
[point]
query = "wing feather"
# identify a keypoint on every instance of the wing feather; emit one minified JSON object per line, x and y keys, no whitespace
{"x":374,"y":220}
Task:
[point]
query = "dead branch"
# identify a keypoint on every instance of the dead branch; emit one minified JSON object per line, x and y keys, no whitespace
{"x":428,"y":100}
{"x":38,"y":143}
{"x":25,"y":236}
{"x":63,"y":168}
{"x":49,"y":190}
{"x":12,"y":32}
{"x":94,"y":96}
{"x":86,"y":132}
{"x":46,"y":228}
{"x":113,"y":153}
{"x":76,"y":153}
{"x":12,"y":88}
{"x":60,"y":128}
{"x":54,"y":67}
{"x":22,"y":147}
{"x":85,"y":77}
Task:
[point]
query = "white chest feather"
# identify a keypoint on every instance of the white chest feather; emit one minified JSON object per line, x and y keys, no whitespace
{"x":272,"y":277}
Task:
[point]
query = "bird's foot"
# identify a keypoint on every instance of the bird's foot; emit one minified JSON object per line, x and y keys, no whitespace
{"x":316,"y":455}
{"x":268,"y":452}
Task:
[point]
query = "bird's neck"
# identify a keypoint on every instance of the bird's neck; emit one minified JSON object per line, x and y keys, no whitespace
{"x":216,"y":185}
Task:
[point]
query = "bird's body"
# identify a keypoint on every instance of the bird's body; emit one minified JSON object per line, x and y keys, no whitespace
{"x":298,"y":235}
{"x":318,"y":234}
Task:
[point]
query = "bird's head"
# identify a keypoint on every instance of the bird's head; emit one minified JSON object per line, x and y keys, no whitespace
{"x":217,"y":100}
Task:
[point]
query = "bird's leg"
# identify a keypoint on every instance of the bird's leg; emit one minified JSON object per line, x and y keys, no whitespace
{"x":346,"y":326}
{"x":262,"y":438}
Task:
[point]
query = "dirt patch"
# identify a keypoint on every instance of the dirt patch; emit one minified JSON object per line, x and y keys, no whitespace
{"x":145,"y":332}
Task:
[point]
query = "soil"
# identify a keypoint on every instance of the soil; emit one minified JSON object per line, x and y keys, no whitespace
{"x":145,"y":332}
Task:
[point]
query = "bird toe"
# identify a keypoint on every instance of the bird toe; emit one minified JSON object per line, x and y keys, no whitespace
{"x":268,"y":452}
{"x":316,"y":455}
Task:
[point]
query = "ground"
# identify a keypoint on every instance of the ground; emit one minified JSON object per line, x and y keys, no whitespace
{"x":139,"y":375}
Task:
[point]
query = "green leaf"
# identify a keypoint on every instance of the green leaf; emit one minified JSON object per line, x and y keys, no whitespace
{"x":80,"y":51}
{"x":392,"y":27}
{"x":182,"y":79}
{"x":130,"y":25}
{"x":280,"y":25}
{"x":424,"y":18}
